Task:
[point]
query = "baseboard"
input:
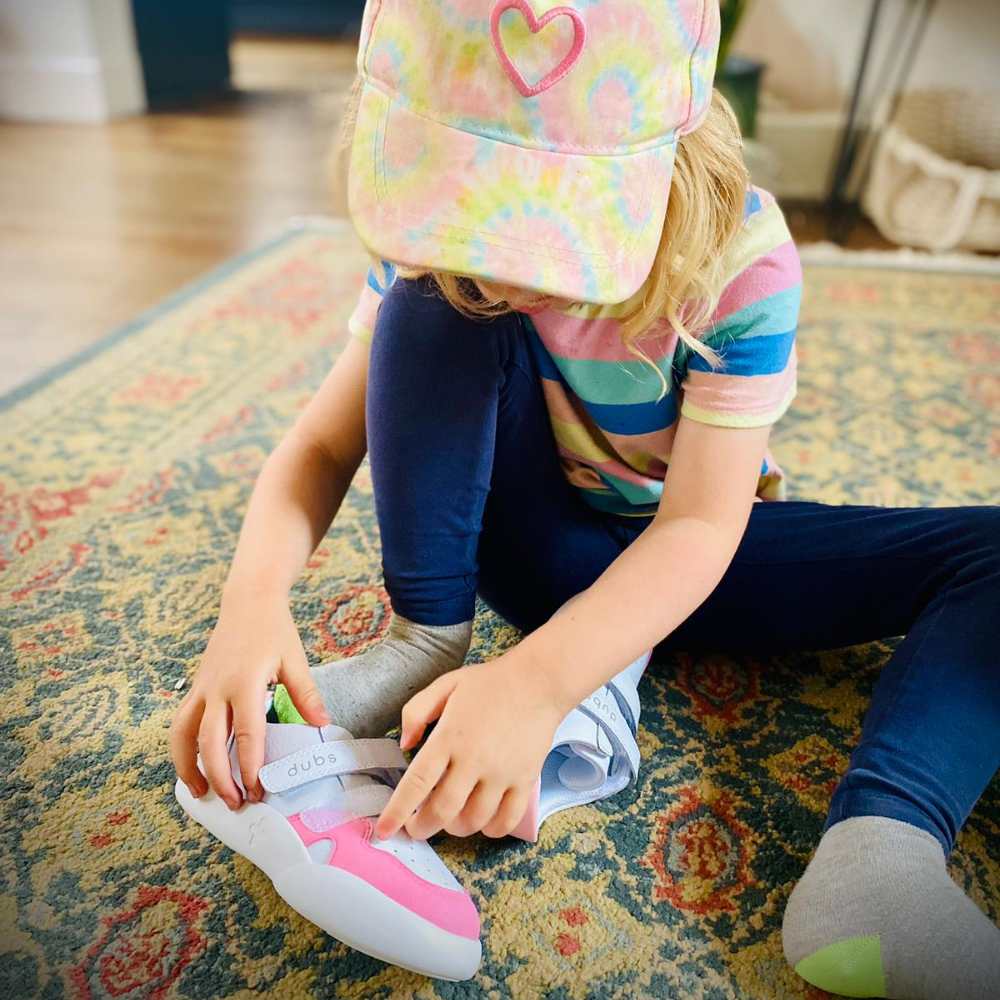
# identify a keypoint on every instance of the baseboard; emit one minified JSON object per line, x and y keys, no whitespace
{"x":830,"y":255}
{"x":60,"y":89}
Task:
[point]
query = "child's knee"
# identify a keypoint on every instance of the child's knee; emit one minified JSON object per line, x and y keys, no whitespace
{"x":416,"y":320}
{"x":987,"y":534}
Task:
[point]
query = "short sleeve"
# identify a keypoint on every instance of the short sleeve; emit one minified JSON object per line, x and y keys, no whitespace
{"x":753,"y":330}
{"x":362,"y":321}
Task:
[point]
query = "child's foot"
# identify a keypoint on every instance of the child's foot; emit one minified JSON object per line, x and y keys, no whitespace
{"x":594,"y":753}
{"x":877,"y":915}
{"x":367,"y":692}
{"x":311,"y":835}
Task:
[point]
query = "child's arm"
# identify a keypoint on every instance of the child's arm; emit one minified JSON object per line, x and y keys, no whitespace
{"x":297,"y":494}
{"x":303,"y":482}
{"x":481,"y":764}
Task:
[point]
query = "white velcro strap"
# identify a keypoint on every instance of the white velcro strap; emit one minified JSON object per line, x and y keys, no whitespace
{"x":330,"y":760}
{"x":603,"y":708}
{"x":368,"y":800}
{"x":628,"y":700}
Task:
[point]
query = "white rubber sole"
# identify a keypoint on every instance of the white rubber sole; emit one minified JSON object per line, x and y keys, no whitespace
{"x":363,"y":918}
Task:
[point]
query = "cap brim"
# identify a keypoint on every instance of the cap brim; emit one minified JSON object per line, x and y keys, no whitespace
{"x":580,"y":227}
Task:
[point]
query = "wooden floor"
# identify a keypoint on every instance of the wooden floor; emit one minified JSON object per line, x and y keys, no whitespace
{"x":98,"y":223}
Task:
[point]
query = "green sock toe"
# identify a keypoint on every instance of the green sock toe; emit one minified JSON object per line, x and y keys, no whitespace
{"x":284,"y":708}
{"x":852,"y":967}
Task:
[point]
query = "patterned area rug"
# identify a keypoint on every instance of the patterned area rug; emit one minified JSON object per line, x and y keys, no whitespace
{"x":122,"y":485}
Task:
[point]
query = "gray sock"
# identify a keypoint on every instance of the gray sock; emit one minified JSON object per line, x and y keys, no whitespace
{"x":366,"y":693}
{"x":877,"y":915}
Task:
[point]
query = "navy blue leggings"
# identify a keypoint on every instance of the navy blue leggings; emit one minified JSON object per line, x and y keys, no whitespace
{"x":470,"y":498}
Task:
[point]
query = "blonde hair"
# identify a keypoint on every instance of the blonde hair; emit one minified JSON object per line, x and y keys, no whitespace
{"x":704,"y":213}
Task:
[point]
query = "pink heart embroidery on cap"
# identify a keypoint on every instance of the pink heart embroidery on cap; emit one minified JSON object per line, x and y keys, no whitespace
{"x":535,"y":24}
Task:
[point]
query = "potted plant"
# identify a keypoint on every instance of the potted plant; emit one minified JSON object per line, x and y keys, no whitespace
{"x":737,"y":77}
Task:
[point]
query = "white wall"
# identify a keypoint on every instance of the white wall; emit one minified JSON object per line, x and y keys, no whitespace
{"x":68,"y":60}
{"x":812,"y":47}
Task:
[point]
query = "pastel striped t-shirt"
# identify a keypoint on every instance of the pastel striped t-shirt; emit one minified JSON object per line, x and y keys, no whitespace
{"x":613,"y":427}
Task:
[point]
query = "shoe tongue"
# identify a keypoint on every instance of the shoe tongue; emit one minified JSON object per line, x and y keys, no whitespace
{"x":333,"y":733}
{"x":284,"y":738}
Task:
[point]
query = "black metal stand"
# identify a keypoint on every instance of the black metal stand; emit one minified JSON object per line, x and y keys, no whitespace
{"x":842,"y":210}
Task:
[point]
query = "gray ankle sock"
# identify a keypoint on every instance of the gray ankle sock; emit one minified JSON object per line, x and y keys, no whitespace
{"x":877,"y":915}
{"x":366,"y":693}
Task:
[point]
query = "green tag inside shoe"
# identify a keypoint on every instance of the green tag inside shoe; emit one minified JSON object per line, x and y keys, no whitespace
{"x":852,"y":967}
{"x":284,"y":707}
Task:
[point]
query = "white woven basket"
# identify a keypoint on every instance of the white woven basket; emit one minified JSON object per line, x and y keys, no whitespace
{"x":935,"y":180}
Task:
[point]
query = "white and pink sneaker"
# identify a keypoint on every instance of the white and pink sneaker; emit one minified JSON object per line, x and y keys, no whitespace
{"x":312,"y":836}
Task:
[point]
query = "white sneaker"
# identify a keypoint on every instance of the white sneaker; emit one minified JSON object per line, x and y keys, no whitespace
{"x":392,"y":899}
{"x":594,"y":752}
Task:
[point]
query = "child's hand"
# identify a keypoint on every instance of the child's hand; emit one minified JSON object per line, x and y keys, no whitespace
{"x":254,"y":643}
{"x":478,"y":768}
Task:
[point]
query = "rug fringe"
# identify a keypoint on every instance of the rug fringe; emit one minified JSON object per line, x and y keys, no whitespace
{"x":830,"y":254}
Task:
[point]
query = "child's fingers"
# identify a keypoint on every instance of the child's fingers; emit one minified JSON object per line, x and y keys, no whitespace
{"x":424,"y":707}
{"x":305,"y":695}
{"x":248,"y":731}
{"x":479,"y":809}
{"x":212,"y":738}
{"x":184,"y":746}
{"x":416,"y":784}
{"x":512,"y":808}
{"x":444,"y":803}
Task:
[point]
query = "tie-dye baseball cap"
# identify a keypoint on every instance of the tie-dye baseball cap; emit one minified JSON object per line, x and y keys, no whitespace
{"x":523,"y":142}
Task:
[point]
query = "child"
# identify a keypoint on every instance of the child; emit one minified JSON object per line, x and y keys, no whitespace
{"x":565,"y":381}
